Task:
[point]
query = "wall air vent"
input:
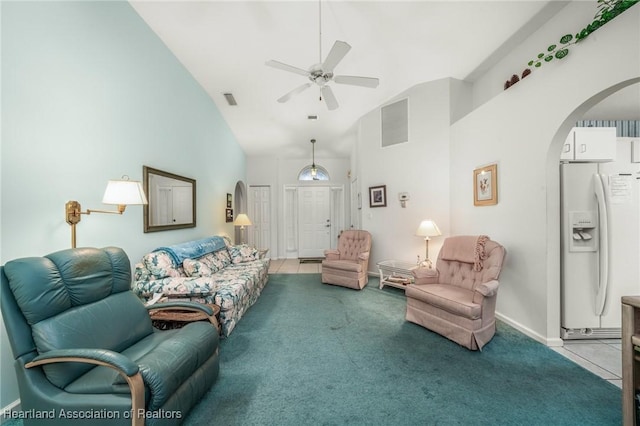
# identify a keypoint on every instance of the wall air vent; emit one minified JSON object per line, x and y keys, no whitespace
{"x":312,"y":117}
{"x":230,"y":99}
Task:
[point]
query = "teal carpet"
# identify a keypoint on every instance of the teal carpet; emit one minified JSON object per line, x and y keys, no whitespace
{"x":313,"y":354}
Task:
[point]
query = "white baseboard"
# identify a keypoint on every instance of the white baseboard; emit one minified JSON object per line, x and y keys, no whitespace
{"x":551,"y":342}
{"x":14,"y":406}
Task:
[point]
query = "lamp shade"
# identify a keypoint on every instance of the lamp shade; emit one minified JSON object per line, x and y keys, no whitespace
{"x":428,"y":228}
{"x":124,"y":192}
{"x":242,"y":220}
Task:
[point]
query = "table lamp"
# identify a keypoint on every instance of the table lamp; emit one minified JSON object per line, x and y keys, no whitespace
{"x":242,"y":220}
{"x":427,"y":229}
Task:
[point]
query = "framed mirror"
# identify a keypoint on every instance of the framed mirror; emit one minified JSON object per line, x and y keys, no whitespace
{"x":172,"y":201}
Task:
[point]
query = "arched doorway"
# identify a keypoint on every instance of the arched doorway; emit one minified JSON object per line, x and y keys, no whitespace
{"x":553,"y":207}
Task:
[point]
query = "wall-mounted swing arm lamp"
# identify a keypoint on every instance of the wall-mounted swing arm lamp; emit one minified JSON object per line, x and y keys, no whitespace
{"x":122,"y":193}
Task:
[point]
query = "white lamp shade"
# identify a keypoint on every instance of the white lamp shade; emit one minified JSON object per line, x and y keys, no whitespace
{"x":242,"y":220}
{"x":428,"y":228}
{"x":124,"y":192}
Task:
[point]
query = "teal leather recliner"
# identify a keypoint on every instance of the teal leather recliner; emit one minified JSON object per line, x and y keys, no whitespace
{"x":85,"y":349}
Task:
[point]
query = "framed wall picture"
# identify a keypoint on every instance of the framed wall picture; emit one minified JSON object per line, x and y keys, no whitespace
{"x":228,"y":201}
{"x":485,"y":185}
{"x":378,"y":196}
{"x":229,"y":215}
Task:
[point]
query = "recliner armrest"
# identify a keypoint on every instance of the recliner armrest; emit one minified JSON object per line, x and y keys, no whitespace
{"x":90,"y":356}
{"x":488,"y":289}
{"x":128,"y":369}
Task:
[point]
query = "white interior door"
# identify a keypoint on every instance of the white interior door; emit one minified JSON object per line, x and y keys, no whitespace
{"x":314,"y":221}
{"x":260,"y":214}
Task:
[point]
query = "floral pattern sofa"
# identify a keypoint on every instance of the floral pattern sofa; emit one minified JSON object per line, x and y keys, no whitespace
{"x":211,"y":270}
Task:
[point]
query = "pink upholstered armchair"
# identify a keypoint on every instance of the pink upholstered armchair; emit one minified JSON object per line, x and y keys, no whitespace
{"x":347,"y":266}
{"x":458,"y":298}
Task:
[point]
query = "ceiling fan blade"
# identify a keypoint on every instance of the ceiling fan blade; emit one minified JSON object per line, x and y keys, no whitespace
{"x":285,"y":67}
{"x":295,"y":91}
{"x":339,"y":49}
{"x":357,"y":81}
{"x":329,"y":98}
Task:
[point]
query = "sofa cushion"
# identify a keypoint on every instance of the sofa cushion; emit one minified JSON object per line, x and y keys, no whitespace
{"x":343,"y":265}
{"x":242,"y":253}
{"x":160,"y":265}
{"x":196,"y":268}
{"x":222,"y":258}
{"x":176,"y":287}
{"x":450,"y":298}
{"x":208,"y":264}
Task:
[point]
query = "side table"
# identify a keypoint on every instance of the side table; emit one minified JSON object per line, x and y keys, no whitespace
{"x":396,"y":273}
{"x":177,"y":318}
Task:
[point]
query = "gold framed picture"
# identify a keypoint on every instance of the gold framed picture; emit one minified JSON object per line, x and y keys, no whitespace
{"x":485,"y":185}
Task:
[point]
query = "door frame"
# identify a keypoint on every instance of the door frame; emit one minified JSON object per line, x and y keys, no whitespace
{"x":313,"y":220}
{"x":291,"y":213}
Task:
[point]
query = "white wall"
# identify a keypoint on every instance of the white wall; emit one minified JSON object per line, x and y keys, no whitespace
{"x":89,"y":93}
{"x":522,"y":130}
{"x":419,"y":167}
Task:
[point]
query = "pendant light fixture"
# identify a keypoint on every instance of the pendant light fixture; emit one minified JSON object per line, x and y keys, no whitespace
{"x":314,"y":169}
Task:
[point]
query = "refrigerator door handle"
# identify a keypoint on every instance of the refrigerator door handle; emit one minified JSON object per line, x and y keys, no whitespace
{"x":603,"y":222}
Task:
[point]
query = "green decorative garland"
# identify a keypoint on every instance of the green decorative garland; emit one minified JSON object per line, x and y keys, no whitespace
{"x":607,"y":10}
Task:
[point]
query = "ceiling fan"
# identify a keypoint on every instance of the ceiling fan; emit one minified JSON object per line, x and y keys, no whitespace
{"x":322,"y":73}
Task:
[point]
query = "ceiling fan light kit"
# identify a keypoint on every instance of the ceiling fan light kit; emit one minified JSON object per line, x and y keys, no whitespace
{"x":322,"y":74}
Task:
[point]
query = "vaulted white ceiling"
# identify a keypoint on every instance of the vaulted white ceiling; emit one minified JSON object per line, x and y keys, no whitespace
{"x":225,"y":44}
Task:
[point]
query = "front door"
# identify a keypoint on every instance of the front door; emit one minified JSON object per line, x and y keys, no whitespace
{"x":314,"y":221}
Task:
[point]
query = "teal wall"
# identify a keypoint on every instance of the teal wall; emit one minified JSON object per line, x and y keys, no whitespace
{"x":90,"y":93}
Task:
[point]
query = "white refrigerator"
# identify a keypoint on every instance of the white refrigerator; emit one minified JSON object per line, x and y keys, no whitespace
{"x":600,"y":225}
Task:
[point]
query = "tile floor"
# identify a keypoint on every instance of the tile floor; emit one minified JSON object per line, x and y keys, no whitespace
{"x":602,"y":357}
{"x":292,"y":266}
